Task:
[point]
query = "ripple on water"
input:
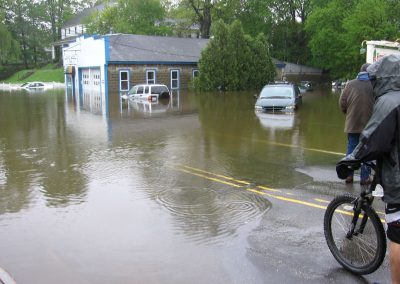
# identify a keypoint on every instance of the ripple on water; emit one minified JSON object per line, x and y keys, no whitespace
{"x":207,"y":215}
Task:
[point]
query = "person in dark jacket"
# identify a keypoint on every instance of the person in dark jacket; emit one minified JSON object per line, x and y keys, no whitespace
{"x":380,"y":140}
{"x":356,"y":101}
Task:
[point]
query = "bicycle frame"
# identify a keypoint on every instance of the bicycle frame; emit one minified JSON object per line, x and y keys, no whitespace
{"x":365,"y":198}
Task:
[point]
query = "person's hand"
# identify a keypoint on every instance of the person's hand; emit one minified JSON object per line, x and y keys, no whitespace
{"x":346,"y":166}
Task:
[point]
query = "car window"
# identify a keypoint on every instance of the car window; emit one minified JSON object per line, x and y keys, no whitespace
{"x":158,"y":89}
{"x":133,"y":90}
{"x":276,"y":91}
{"x":297,"y":90}
{"x":146,"y":90}
{"x":140,"y":90}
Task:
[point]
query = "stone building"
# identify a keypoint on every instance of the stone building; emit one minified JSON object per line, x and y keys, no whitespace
{"x":104,"y":66}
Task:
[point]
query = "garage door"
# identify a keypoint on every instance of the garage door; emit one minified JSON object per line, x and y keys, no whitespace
{"x":91,"y":89}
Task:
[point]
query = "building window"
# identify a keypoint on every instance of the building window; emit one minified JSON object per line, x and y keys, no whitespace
{"x":124,"y":80}
{"x":195,"y":73}
{"x":174,"y":79}
{"x":150,"y":76}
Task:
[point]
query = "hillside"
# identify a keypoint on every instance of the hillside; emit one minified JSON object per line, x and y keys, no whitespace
{"x":49,"y":73}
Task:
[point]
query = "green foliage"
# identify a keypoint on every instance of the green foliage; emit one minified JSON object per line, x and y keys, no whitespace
{"x":234,"y":61}
{"x":130,"y":16}
{"x":48,"y":73}
{"x":338,"y":28}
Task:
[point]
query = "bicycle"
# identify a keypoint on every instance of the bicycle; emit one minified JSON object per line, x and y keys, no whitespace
{"x":354,"y":232}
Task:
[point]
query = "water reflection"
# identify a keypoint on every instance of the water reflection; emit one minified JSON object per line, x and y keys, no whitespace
{"x":149,"y":108}
{"x":36,"y":152}
{"x":275,"y":120}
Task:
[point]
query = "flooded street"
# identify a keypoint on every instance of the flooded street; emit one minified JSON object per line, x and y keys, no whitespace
{"x":175,"y":194}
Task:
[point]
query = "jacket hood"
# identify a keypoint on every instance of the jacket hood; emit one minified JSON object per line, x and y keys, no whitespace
{"x":385,"y":74}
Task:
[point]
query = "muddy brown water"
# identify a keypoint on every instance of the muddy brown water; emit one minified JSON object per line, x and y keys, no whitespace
{"x":148,"y":193}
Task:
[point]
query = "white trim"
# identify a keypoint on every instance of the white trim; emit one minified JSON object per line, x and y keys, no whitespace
{"x":154,"y":71}
{"x":121,"y":81}
{"x":175,"y":80}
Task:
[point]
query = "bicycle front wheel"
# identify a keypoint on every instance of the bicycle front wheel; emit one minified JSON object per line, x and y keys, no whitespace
{"x":363,"y":252}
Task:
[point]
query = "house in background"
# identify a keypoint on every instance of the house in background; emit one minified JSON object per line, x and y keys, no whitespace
{"x":100,"y":68}
{"x":75,"y":27}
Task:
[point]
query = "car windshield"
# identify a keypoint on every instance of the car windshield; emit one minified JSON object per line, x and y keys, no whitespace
{"x":133,"y":90}
{"x":277,"y":92}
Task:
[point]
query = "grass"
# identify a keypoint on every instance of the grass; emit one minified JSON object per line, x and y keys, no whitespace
{"x":48,"y":73}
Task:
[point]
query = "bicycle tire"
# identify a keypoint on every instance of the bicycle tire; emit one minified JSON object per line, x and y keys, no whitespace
{"x":363,"y":253}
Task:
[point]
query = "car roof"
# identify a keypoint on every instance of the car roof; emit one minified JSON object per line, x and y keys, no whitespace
{"x":279,"y":85}
{"x":150,"y":85}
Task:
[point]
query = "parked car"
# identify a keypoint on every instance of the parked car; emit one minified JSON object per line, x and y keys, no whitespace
{"x":149,"y":92}
{"x":279,"y":98}
{"x":306,"y":86}
{"x":33,"y":85}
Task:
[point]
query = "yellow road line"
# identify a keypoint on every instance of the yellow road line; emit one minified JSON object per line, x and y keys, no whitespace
{"x":321,"y":200}
{"x":228,"y":178}
{"x":256,"y":191}
{"x":297,"y":201}
{"x":292,"y":200}
{"x":210,"y":178}
{"x":217,"y":175}
{"x":268,"y":188}
{"x":308,"y":149}
{"x":252,"y":190}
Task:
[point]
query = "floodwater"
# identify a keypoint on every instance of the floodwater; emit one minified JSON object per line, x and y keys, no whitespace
{"x":148,"y":193}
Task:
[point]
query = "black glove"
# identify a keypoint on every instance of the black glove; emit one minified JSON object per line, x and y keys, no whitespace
{"x":346,"y":166}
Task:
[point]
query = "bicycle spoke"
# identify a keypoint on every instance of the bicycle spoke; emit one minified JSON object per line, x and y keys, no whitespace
{"x":363,"y":251}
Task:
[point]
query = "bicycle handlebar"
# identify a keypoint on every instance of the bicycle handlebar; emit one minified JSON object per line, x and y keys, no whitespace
{"x":348,"y":164}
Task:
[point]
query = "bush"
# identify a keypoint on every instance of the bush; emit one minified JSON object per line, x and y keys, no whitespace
{"x":234,"y":61}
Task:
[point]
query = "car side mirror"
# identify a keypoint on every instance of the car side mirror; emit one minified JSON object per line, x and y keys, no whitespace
{"x":255,"y":96}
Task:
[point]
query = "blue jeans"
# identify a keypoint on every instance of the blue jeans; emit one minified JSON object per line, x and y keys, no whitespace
{"x":352,"y":141}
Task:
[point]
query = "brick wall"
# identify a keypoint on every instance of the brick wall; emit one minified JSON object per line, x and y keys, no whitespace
{"x":138,"y":75}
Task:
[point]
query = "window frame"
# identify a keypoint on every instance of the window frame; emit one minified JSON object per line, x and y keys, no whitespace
{"x":127,"y":80}
{"x":177,"y":80}
{"x":195,"y":73}
{"x":148,"y":71}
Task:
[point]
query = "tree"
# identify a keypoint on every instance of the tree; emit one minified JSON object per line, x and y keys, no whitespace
{"x":130,"y":16}
{"x":324,"y":25}
{"x":338,"y":28}
{"x":9,"y":49}
{"x":234,"y":61}
{"x":202,"y":10}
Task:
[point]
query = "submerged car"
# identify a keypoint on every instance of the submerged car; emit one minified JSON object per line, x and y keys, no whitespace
{"x":33,"y":85}
{"x":279,"y":98}
{"x":149,"y":92}
{"x":307,"y":86}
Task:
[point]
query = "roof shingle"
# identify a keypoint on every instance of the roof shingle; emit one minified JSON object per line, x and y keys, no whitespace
{"x":144,"y":48}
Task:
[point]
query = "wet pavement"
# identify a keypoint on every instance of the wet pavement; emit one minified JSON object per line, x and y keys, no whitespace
{"x":199,"y":189}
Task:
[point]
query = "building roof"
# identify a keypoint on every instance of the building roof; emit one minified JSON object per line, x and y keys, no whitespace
{"x":143,"y":49}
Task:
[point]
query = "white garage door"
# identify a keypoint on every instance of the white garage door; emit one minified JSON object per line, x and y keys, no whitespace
{"x":91,"y":89}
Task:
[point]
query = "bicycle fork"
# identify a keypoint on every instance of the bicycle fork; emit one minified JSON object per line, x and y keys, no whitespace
{"x":357,"y":211}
